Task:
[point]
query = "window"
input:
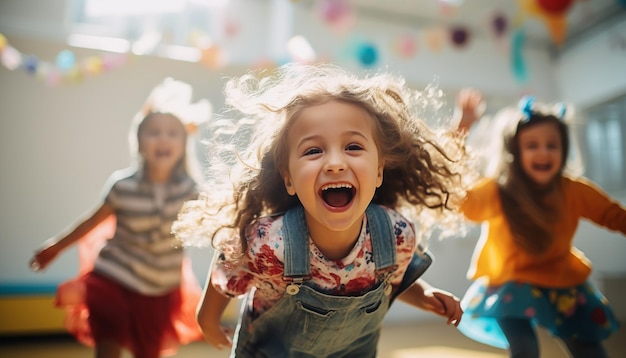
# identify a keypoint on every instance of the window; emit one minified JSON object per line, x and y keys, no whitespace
{"x":603,"y":145}
{"x":176,"y":27}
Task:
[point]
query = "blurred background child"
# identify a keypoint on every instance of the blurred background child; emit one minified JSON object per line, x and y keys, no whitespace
{"x":525,"y":268}
{"x":135,"y":288}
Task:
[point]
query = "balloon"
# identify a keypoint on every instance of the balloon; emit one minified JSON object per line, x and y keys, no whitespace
{"x":554,"y":7}
{"x":65,"y":60}
{"x":556,"y":22}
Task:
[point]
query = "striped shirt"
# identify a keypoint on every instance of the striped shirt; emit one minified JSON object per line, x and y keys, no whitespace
{"x":142,"y":255}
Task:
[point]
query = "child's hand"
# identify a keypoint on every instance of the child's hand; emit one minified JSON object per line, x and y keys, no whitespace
{"x":43,"y":257}
{"x":218,"y":336}
{"x":471,"y":105}
{"x":444,"y":304}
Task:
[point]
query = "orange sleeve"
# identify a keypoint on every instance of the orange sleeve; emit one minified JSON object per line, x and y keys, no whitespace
{"x":598,"y":207}
{"x":481,"y":202}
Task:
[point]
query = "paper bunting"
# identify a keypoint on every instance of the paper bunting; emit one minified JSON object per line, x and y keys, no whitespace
{"x":64,"y":70}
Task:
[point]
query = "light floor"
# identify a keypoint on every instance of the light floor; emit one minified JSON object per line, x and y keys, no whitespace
{"x":423,"y":340}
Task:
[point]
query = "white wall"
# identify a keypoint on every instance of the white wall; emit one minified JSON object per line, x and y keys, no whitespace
{"x":593,"y":70}
{"x":59,"y":144}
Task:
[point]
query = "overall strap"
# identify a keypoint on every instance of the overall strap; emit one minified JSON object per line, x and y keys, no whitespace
{"x":383,"y":239}
{"x":296,"y":241}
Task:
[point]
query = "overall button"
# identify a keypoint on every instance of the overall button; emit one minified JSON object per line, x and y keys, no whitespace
{"x":293,"y":289}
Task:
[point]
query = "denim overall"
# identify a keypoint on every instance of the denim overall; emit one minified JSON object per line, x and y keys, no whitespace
{"x":308,"y":323}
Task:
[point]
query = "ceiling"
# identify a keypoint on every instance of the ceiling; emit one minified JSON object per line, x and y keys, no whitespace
{"x":582,"y":15}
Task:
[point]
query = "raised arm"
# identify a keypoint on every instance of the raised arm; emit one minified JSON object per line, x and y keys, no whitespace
{"x":52,"y":247}
{"x":470,"y":107}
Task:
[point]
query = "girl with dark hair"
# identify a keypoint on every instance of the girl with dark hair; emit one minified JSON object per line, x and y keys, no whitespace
{"x":525,"y":268}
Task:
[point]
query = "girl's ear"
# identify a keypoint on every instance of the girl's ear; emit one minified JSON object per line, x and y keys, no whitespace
{"x":289,"y":185}
{"x":379,"y":178}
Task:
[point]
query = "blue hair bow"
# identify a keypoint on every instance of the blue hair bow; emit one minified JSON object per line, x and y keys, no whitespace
{"x":526,"y":107}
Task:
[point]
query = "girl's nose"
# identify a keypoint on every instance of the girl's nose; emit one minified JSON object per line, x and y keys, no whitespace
{"x":335,"y":163}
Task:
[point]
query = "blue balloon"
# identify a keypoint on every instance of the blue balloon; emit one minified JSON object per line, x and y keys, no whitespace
{"x":367,"y":55}
{"x":65,"y":60}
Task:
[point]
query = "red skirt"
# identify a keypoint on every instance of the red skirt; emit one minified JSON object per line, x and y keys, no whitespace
{"x":98,"y":308}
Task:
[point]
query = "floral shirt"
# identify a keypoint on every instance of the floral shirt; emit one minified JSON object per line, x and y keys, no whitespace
{"x":261,"y":268}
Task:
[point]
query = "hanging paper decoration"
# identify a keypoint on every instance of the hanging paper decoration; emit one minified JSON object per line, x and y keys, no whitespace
{"x":300,"y":50}
{"x":93,"y":65}
{"x":212,"y":57}
{"x":338,"y":14}
{"x":518,"y":64}
{"x":459,"y":36}
{"x":3,"y":42}
{"x":359,"y":49}
{"x":434,"y":38}
{"x":30,"y":64}
{"x":65,"y":60}
{"x":499,"y":24}
{"x":367,"y":54}
{"x":65,"y":68}
{"x":405,"y":45}
{"x":11,"y":58}
{"x":554,"y":16}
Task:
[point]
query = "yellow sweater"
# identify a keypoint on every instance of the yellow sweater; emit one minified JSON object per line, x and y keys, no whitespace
{"x":497,"y":257}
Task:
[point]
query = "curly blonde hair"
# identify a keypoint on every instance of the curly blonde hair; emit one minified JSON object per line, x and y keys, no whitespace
{"x":426,"y":172}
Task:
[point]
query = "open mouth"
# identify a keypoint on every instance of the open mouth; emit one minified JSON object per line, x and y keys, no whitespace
{"x":338,"y":195}
{"x":162,"y":153}
{"x":542,"y":167}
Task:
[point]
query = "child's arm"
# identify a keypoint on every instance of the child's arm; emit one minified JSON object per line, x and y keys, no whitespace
{"x":210,"y":314}
{"x":53,"y":246}
{"x":470,"y":106}
{"x":422,"y":295}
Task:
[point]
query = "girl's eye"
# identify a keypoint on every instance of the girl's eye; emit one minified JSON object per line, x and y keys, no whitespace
{"x":354,"y":147}
{"x":312,"y":151}
{"x":531,"y":145}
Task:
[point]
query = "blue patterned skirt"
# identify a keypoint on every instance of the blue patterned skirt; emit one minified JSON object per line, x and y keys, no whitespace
{"x":575,"y":312}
